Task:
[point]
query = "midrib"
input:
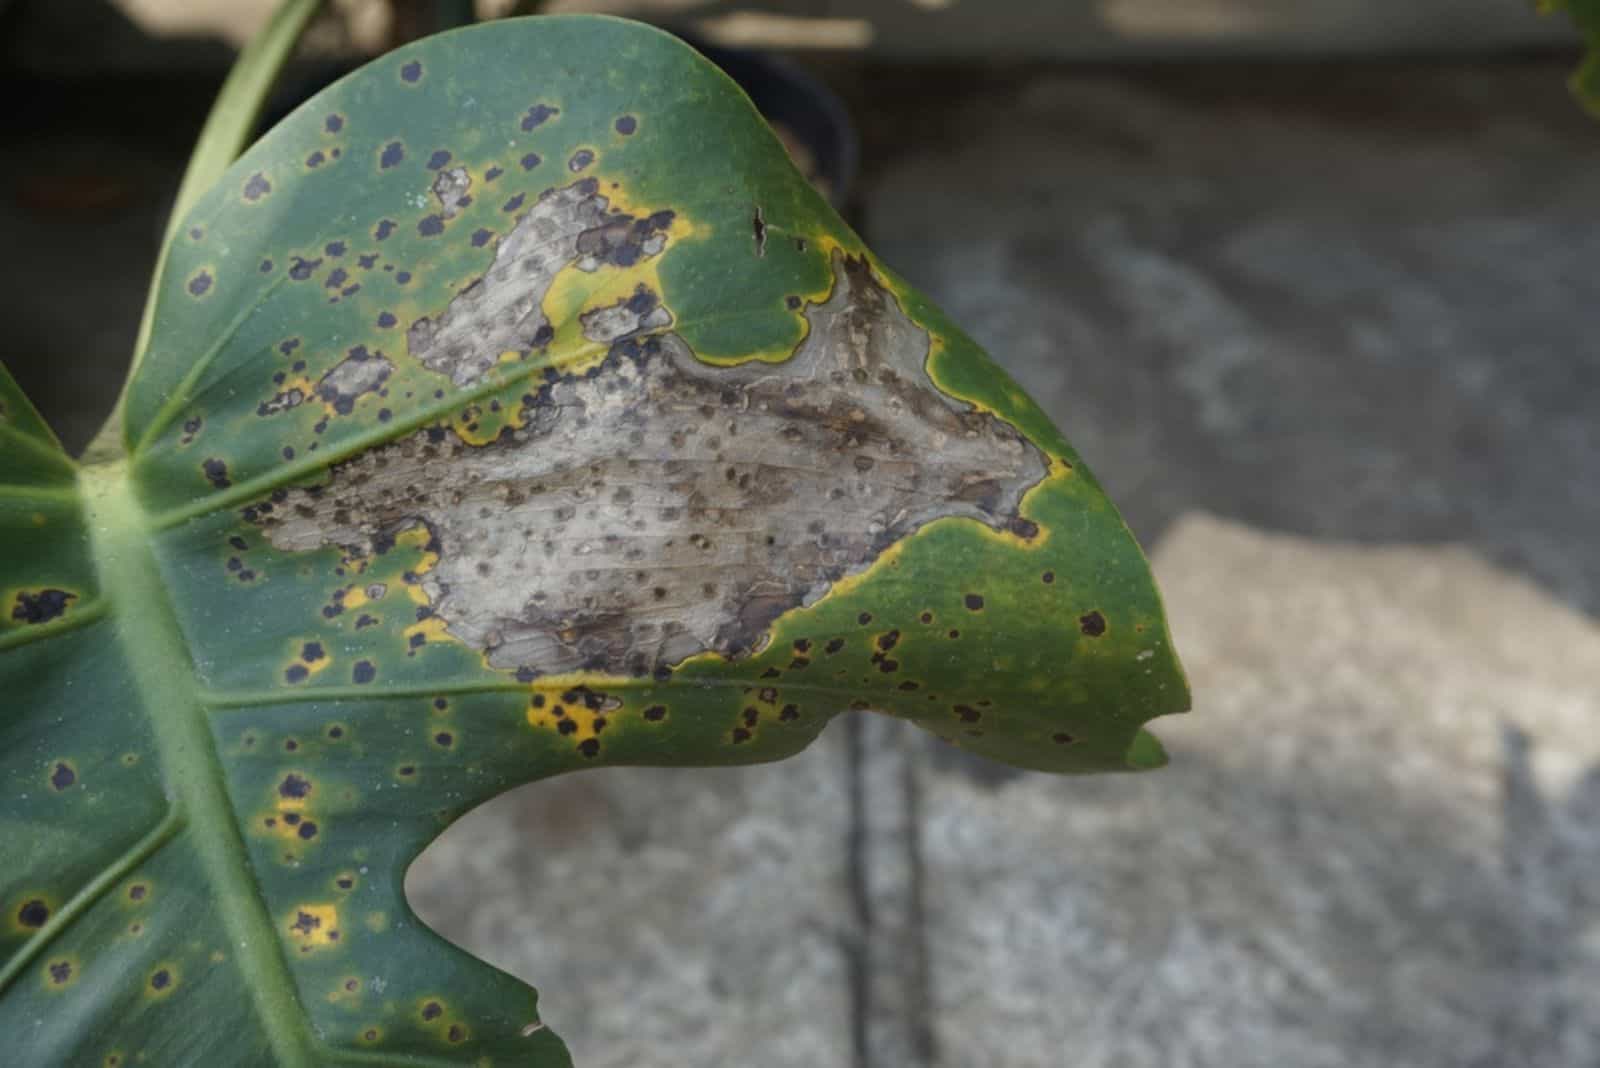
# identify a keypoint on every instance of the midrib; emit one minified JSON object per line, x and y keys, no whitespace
{"x":164,"y":676}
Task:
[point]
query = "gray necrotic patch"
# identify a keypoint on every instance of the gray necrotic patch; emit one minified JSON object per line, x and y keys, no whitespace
{"x":501,"y":312}
{"x":359,"y":373}
{"x":450,"y":189}
{"x":656,"y":507}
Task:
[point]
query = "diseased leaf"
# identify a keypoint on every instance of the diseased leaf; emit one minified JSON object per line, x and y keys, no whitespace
{"x":513,"y":408}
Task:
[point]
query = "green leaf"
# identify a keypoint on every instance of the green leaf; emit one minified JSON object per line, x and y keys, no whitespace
{"x":1585,"y":81}
{"x":513,"y":408}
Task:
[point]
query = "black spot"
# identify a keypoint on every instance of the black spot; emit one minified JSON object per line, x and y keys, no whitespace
{"x":580,"y":159}
{"x":626,"y":124}
{"x":793,"y":303}
{"x":33,"y":913}
{"x":403,"y":277}
{"x":386,"y":320}
{"x":864,"y":618}
{"x":266,"y":266}
{"x":290,"y":745}
{"x":256,"y":187}
{"x":60,"y":971}
{"x":344,"y":882}
{"x":537,"y":115}
{"x":445,"y":739}
{"x":968,"y":714}
{"x":456,"y":1033}
{"x":530,"y":161}
{"x":440,"y":703}
{"x":393,"y":154}
{"x":955,"y":634}
{"x":365,"y":621}
{"x":137,"y":892}
{"x":200,"y":284}
{"x":311,"y":652}
{"x":333,"y":123}
{"x":336,"y":278}
{"x":431,"y":226}
{"x":1026,"y":529}
{"x":302,"y":268}
{"x":740,"y":735}
{"x":589,"y":747}
{"x":216,"y":473}
{"x":407,"y":770}
{"x":492,"y":173}
{"x":1062,"y":738}
{"x":335,"y":732}
{"x":655,"y":713}
{"x":163,"y":978}
{"x":297,"y":673}
{"x":438,"y":159}
{"x":1048,"y":577}
{"x":411,"y":72}
{"x":364,"y":672}
{"x":1093,"y":624}
{"x":294,"y":786}
{"x":833,"y":646}
{"x":481,"y":237}
{"x":41,"y":607}
{"x":974,"y":602}
{"x":62,"y":777}
{"x":308,"y":830}
{"x":889,"y":640}
{"x":316,"y":159}
{"x":432,"y":1010}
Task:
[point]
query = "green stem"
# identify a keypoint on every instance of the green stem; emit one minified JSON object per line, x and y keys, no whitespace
{"x":163,"y":671}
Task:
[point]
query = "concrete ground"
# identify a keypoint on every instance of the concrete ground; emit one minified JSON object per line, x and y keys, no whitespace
{"x":1326,"y":334}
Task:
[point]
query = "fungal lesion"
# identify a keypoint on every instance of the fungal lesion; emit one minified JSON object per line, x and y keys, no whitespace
{"x":653,"y":506}
{"x":39,"y":605}
{"x":573,"y":226}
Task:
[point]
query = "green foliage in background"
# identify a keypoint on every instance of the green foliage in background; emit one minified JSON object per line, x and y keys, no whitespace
{"x":1585,"y":81}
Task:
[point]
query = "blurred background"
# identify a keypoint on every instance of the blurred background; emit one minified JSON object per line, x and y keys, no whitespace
{"x":1314,"y":288}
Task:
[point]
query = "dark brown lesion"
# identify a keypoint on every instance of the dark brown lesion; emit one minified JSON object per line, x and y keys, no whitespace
{"x":33,"y":607}
{"x":655,"y":507}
